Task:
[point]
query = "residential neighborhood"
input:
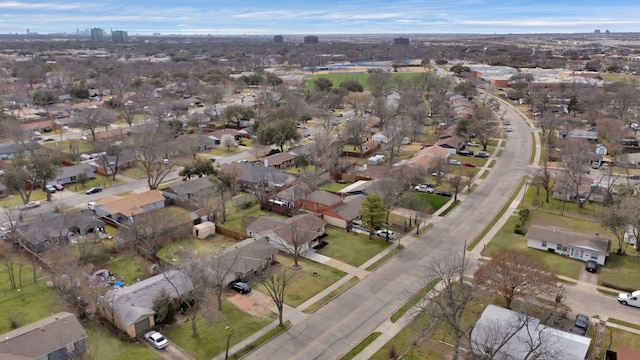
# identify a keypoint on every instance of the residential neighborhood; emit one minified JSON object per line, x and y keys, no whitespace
{"x":180,"y":201}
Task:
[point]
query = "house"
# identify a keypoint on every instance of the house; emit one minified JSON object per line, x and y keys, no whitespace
{"x":130,"y":308}
{"x":196,"y":189}
{"x":255,"y":174}
{"x":342,"y":214}
{"x":195,"y":143}
{"x":293,"y":195}
{"x":59,"y":336}
{"x":119,"y":208}
{"x":103,"y":165}
{"x":320,"y":200}
{"x":565,"y":188}
{"x":302,"y":231}
{"x":452,"y":144}
{"x":51,"y":229}
{"x":510,"y":335}
{"x":69,"y":174}
{"x":281,"y":160}
{"x":218,"y":134}
{"x":569,"y":243}
{"x":600,"y":149}
{"x":8,"y":151}
{"x":247,"y":259}
{"x":591,"y":135}
{"x":381,"y":138}
{"x":428,"y":157}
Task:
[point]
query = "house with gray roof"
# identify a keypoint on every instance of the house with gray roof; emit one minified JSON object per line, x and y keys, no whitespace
{"x":255,"y":174}
{"x":302,"y":231}
{"x":342,"y":214}
{"x":247,"y":259}
{"x":59,"y":336}
{"x":568,"y":242}
{"x":69,"y":174}
{"x":51,"y":229}
{"x":196,"y":189}
{"x":501,"y":333}
{"x":130,"y":308}
{"x":8,"y":151}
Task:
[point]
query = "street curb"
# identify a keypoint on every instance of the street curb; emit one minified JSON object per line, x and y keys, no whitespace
{"x":335,"y":297}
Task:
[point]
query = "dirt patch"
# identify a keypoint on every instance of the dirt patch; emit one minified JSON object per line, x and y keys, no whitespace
{"x":252,"y":303}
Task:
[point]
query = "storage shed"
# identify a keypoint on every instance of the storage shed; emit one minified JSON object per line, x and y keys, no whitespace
{"x":203,"y":230}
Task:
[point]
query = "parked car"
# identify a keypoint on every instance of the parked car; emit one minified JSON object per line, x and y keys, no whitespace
{"x":633,"y":177}
{"x":240,"y":286}
{"x":581,"y":325}
{"x":436,"y":174}
{"x":91,"y":205}
{"x":425,"y":188}
{"x":59,"y":187}
{"x":443,"y":193}
{"x":386,"y":234}
{"x":509,"y":129}
{"x":454,"y":162}
{"x":468,"y":164}
{"x":48,"y":139}
{"x":94,"y":190}
{"x":632,"y":299}
{"x":156,"y":339}
{"x":473,"y":143}
{"x":507,"y":122}
{"x":481,"y":154}
{"x":36,"y":133}
{"x":591,"y":266}
{"x":465,"y":152}
{"x":50,"y":189}
{"x":30,"y":205}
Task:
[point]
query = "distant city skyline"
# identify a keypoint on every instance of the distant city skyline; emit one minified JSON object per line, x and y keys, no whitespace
{"x":255,"y":17}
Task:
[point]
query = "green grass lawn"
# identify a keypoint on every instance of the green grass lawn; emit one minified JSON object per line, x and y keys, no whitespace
{"x":294,"y":170}
{"x":621,"y":272}
{"x":172,"y":252}
{"x":423,"y":350}
{"x":15,"y":200}
{"x":350,"y":247}
{"x":361,"y":346}
{"x":304,"y":285}
{"x":337,"y":78}
{"x":105,"y":345}
{"x":128,"y":265}
{"x":333,"y":186}
{"x":135,"y":172}
{"x":64,"y":145}
{"x":222,"y":151}
{"x":613,"y":339}
{"x":235,"y":216}
{"x":99,"y":181}
{"x":417,"y":201}
{"x":213,"y":335}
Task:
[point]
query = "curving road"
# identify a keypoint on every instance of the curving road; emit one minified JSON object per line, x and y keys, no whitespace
{"x":337,"y":327}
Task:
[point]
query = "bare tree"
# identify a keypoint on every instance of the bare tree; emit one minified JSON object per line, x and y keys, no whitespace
{"x":228,"y":141}
{"x":575,"y":154}
{"x":151,"y":230}
{"x":276,"y":283}
{"x":454,"y":299}
{"x":295,"y":236}
{"x":354,"y":133}
{"x":92,"y":118}
{"x":513,"y":274}
{"x":456,"y":181}
{"x":151,"y":150}
{"x":219,"y":267}
{"x":196,"y":271}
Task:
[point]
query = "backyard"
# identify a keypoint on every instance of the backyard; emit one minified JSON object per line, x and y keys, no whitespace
{"x":350,"y":247}
{"x":172,"y":252}
{"x":235,"y":216}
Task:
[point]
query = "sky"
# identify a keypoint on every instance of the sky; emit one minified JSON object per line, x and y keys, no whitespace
{"x":304,"y":17}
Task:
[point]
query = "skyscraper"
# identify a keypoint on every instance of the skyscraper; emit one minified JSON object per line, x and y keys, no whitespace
{"x":97,"y":35}
{"x":119,"y":36}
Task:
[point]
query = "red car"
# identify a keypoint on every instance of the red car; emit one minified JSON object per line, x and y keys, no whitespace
{"x":468,"y":164}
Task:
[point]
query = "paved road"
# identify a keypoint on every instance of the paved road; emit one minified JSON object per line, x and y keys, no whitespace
{"x":343,"y":323}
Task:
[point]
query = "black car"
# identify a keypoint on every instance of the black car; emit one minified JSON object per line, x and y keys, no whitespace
{"x":581,"y":325}
{"x":592,"y":266}
{"x":465,"y":152}
{"x":240,"y":286}
{"x":633,"y":177}
{"x":481,"y":154}
{"x":443,"y":193}
{"x":93,"y":190}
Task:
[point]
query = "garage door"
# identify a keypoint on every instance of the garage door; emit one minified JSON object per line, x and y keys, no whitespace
{"x":142,"y":326}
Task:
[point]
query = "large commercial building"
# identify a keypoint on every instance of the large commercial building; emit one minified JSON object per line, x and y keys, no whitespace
{"x":119,"y":36}
{"x":311,"y":39}
{"x":278,"y":39}
{"x":97,"y":35}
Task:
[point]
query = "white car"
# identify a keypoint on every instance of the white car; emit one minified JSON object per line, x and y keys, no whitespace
{"x":156,"y":339}
{"x":425,"y":188}
{"x":385,"y":234}
{"x":30,"y":205}
{"x":632,"y":299}
{"x":454,"y":162}
{"x":473,"y":143}
{"x":91,"y":205}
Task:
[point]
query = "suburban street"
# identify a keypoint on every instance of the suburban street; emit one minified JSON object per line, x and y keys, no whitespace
{"x":336,"y":328}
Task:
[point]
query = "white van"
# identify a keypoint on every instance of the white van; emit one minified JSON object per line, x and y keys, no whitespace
{"x":632,"y":299}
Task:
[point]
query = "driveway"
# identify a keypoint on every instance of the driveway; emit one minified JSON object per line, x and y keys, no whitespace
{"x":589,"y":278}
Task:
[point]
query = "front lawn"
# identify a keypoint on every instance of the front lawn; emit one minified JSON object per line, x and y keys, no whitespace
{"x":15,"y":200}
{"x":311,"y":279}
{"x":417,"y":201}
{"x":135,"y":172}
{"x":99,"y":181}
{"x":105,"y":345}
{"x":219,"y":150}
{"x":350,"y":247}
{"x":171,"y":252}
{"x":213,"y":332}
{"x":621,"y":272}
{"x":65,"y":145}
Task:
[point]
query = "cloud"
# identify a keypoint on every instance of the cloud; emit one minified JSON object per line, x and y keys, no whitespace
{"x":15,"y":5}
